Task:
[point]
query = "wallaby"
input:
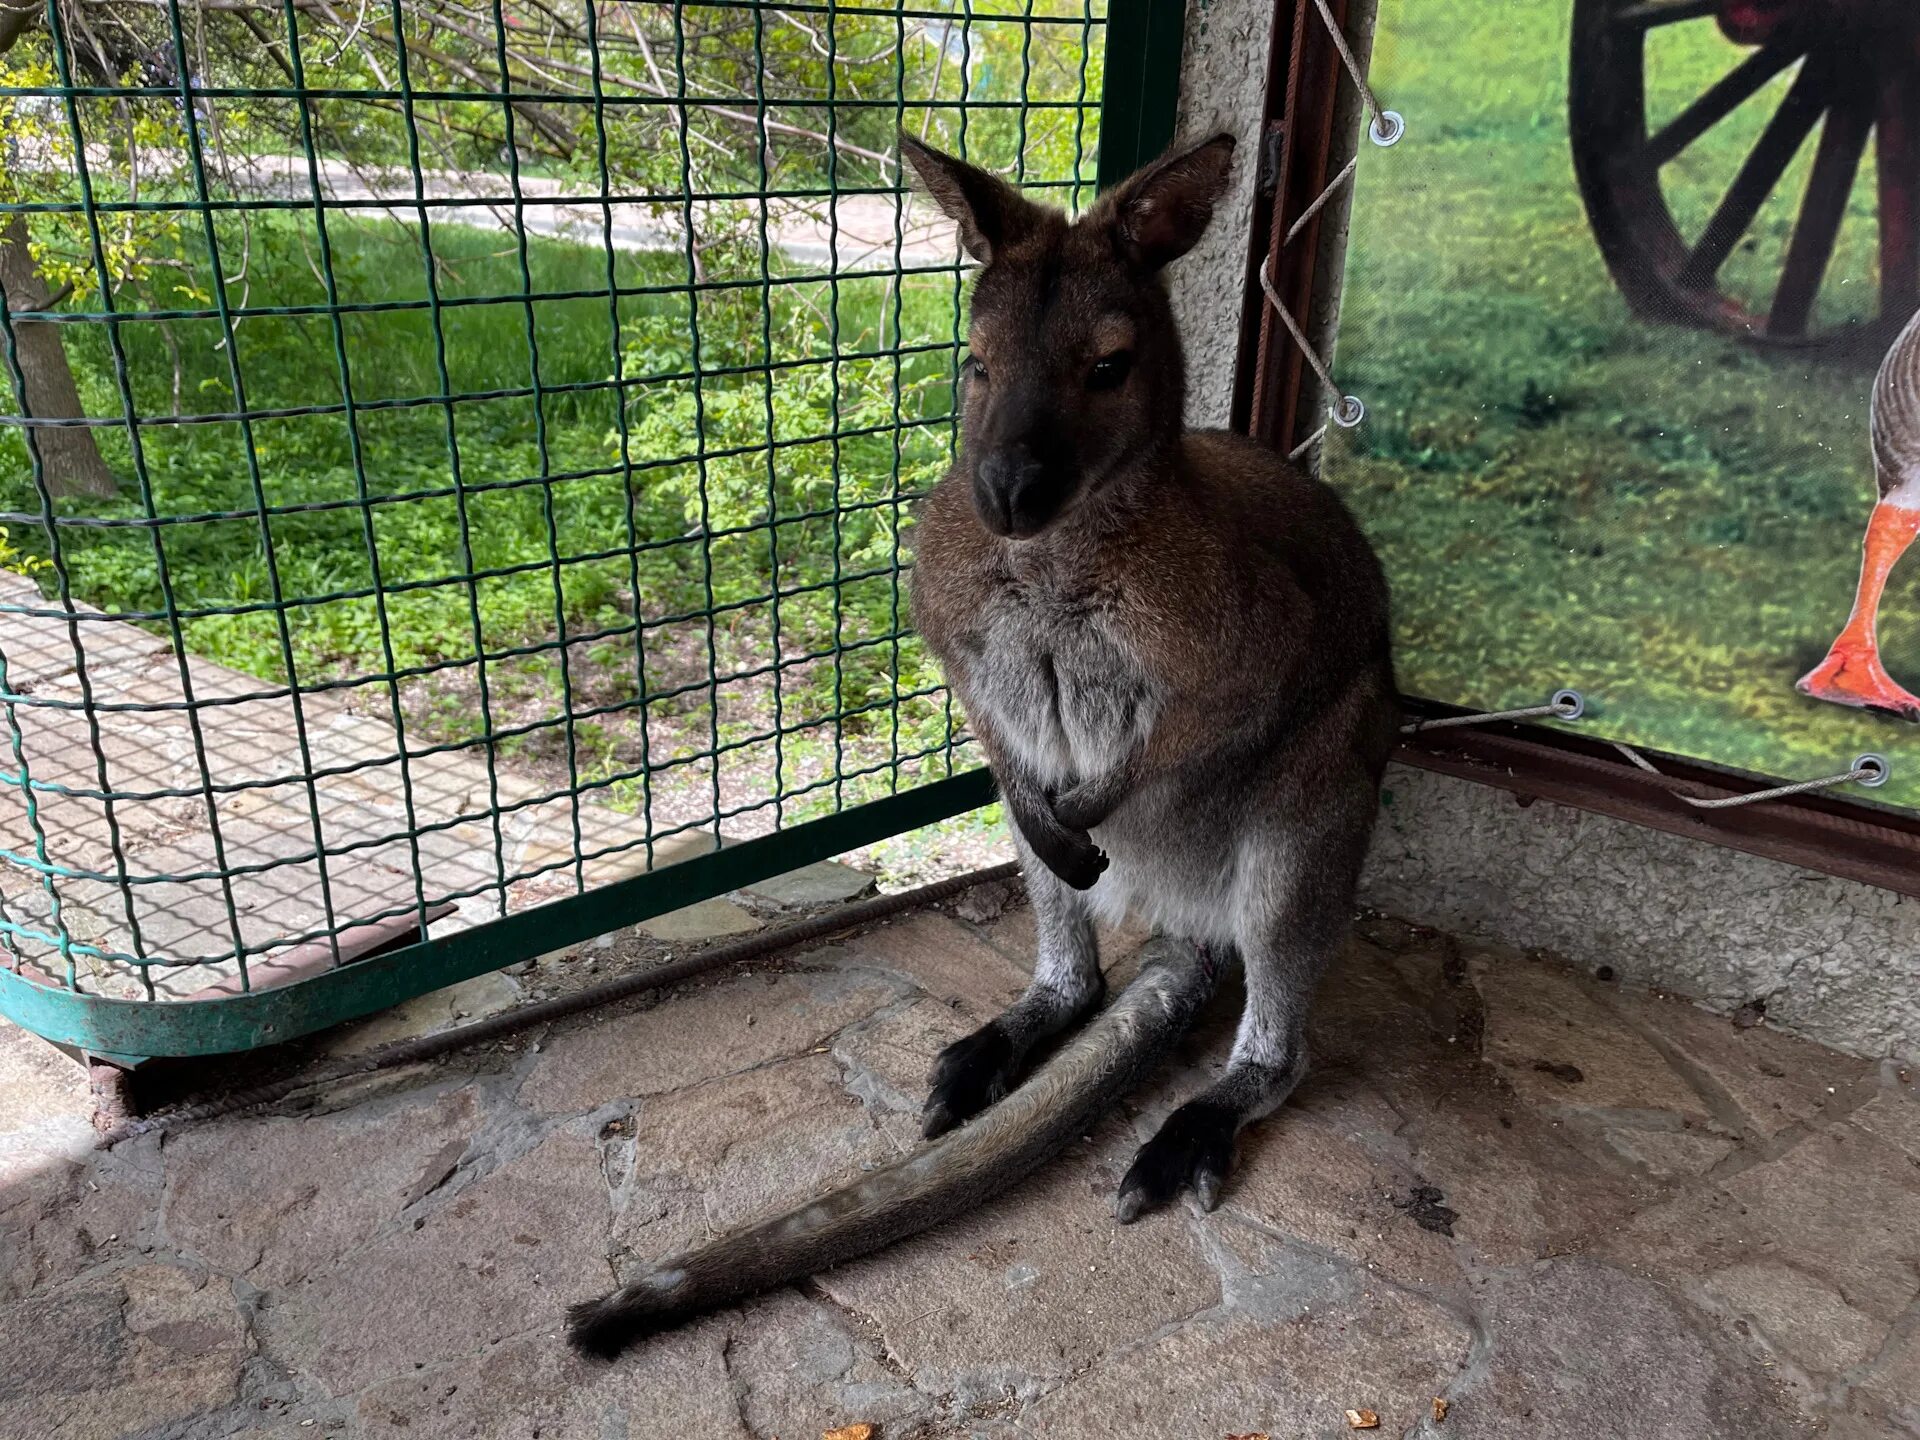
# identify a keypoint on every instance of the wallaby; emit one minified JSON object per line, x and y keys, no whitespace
{"x":1173,"y":649}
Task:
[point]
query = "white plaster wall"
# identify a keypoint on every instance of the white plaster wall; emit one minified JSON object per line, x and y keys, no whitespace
{"x":1835,"y":961}
{"x":1222,"y":74}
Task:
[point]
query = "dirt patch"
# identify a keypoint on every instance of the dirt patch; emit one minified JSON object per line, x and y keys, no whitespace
{"x":1425,"y":1206}
{"x":1560,"y":1070}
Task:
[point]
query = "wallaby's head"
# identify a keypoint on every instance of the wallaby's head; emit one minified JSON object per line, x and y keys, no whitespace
{"x":1075,"y":365}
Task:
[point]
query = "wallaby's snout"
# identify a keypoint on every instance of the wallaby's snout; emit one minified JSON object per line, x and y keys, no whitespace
{"x":1014,"y":494}
{"x":1031,"y":424}
{"x":1026,"y":482}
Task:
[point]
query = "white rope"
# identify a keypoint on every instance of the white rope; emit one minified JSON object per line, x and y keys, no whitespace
{"x":1306,"y":215}
{"x":1871,"y":771}
{"x":1387,"y":127}
{"x":1360,"y":80}
{"x":1307,"y":444}
{"x":1348,"y":406}
{"x":1565,"y":705}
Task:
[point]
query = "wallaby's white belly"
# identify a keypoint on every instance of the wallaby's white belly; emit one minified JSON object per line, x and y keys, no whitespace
{"x":1068,"y":710}
{"x":1170,"y":869}
{"x":1070,"y":704}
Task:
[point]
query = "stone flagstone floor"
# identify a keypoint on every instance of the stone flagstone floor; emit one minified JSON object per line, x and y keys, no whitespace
{"x":1568,"y":1211}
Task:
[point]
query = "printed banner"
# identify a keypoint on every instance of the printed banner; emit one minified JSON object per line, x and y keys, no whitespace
{"x":1629,"y":308}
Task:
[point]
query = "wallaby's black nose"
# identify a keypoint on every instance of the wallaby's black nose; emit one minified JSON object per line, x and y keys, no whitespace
{"x":1010,"y":490}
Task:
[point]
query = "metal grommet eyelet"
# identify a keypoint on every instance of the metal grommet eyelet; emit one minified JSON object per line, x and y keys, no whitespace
{"x":1387,"y":129}
{"x":1878,"y":770}
{"x":1570,"y":704}
{"x":1349,"y":411}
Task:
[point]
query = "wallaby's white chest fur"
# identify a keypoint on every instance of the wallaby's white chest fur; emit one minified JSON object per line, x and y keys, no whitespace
{"x":1071,"y":699}
{"x":1061,"y":689}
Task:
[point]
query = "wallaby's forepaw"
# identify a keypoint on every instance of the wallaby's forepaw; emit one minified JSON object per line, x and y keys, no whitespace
{"x":1072,"y":855}
{"x":1089,"y":803}
{"x":968,"y":1076}
{"x":1193,"y":1151}
{"x":1068,"y":853}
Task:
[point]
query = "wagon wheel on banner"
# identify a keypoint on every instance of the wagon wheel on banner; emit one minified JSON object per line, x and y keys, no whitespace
{"x":1851,"y":72}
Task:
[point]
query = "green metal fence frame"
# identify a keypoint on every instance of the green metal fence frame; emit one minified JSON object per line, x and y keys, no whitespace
{"x":1144,"y":40}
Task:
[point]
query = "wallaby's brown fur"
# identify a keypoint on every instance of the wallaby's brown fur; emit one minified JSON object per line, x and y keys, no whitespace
{"x":1173,"y":648}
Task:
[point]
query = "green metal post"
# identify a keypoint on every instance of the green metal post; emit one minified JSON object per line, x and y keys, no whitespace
{"x":1141,"y":102}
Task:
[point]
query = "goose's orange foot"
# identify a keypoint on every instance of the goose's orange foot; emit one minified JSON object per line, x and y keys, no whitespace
{"x":1853,"y":675}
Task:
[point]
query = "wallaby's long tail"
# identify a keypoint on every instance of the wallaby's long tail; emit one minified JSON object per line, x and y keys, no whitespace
{"x":943,"y":1179}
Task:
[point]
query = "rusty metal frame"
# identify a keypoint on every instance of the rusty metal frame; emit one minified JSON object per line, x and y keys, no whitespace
{"x":1308,"y":131}
{"x":1311,"y":124}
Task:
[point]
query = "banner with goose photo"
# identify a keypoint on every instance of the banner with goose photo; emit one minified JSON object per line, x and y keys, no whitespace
{"x":1632,"y":309}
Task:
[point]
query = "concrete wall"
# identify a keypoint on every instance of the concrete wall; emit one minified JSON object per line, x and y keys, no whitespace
{"x":1832,"y":960}
{"x":1222,"y":75}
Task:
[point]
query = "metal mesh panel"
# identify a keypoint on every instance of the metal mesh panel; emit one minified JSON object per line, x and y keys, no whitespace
{"x":481,"y":464}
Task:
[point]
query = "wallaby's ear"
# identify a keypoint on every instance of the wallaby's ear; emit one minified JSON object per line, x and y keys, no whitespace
{"x":991,"y":214}
{"x":1160,"y":212}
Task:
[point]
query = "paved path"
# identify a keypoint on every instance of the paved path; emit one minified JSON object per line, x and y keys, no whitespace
{"x":269,"y":827}
{"x":1568,"y":1212}
{"x":859,"y":229}
{"x":266,"y":829}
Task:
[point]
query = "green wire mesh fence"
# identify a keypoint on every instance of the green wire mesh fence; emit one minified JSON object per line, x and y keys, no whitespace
{"x":459,"y":461}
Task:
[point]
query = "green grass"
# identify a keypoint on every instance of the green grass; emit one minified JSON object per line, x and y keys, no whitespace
{"x":1564,"y":494}
{"x":322,"y":556}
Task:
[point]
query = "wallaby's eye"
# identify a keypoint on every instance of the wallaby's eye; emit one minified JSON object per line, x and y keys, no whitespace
{"x":1110,"y":371}
{"x":975,"y":368}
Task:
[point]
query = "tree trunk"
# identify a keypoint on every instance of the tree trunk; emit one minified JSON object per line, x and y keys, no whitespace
{"x":69,"y":456}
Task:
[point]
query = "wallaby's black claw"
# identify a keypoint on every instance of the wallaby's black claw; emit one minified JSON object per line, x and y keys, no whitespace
{"x":1083,"y":867}
{"x":968,"y":1076}
{"x":1193,"y":1151}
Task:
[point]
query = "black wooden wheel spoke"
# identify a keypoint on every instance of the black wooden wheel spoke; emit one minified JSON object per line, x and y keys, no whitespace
{"x":1647,"y":14}
{"x":1857,"y":83}
{"x":1727,"y":95}
{"x":1759,"y":176}
{"x":1837,"y":162}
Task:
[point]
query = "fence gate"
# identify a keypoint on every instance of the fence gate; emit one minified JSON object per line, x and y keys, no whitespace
{"x":452,"y":490}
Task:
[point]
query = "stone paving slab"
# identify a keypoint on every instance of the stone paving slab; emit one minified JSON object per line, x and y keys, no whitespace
{"x":1569,"y":1211}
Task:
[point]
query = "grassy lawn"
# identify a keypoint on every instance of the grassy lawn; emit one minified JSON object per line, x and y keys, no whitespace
{"x":1566,"y":495}
{"x":548,"y":518}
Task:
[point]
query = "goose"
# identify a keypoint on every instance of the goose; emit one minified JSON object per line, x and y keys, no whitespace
{"x":1852,"y":673}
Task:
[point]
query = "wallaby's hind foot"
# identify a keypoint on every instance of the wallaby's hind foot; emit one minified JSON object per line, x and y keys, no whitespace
{"x":979,"y":1069}
{"x":1067,"y":988}
{"x":1192,"y":1151}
